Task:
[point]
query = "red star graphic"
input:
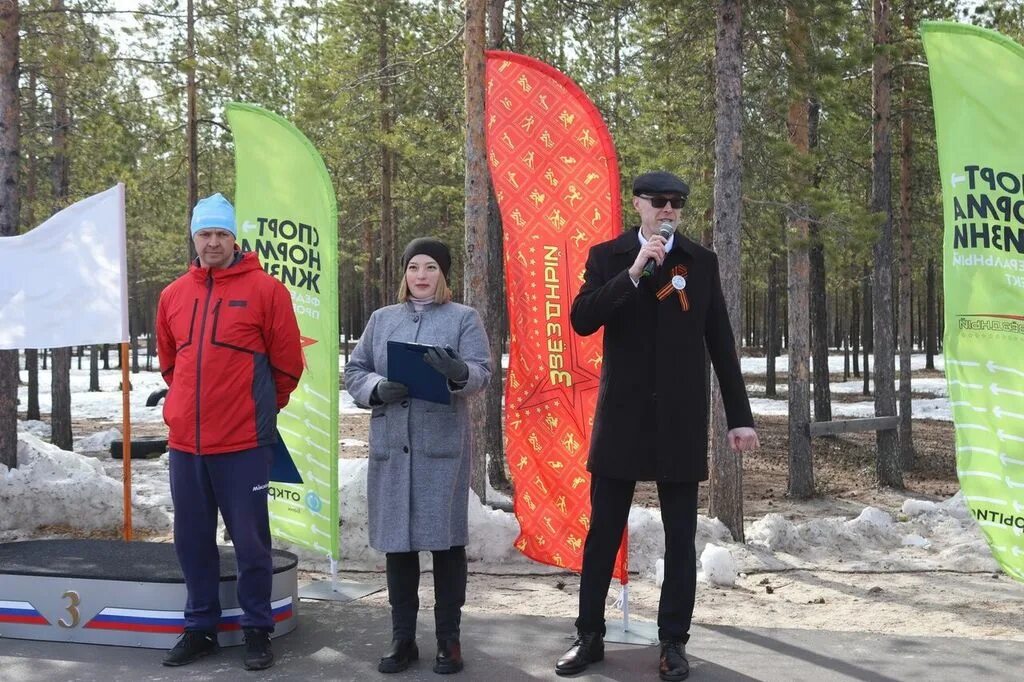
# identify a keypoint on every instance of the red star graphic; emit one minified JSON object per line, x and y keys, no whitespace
{"x":305,"y":341}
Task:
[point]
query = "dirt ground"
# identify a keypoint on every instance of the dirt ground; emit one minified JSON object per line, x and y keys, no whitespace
{"x":940,"y":603}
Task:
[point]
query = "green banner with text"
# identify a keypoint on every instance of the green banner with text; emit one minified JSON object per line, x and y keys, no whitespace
{"x":977,"y":80}
{"x":287,"y":213}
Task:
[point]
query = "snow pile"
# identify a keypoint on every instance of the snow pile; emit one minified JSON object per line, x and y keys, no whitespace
{"x":929,"y":536}
{"x":35,"y":427}
{"x":647,"y":538}
{"x":54,"y":486}
{"x":717,"y":566}
{"x":97,"y":443}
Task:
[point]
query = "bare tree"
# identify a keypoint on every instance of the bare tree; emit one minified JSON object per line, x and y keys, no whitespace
{"x":887,"y":466}
{"x":10,"y":206}
{"x":476,"y":259}
{"x":726,"y":489}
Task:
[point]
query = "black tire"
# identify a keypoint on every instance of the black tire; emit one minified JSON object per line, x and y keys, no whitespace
{"x":155,"y":397}
{"x":143,"y":447}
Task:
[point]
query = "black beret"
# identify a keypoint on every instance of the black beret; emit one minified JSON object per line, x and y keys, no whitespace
{"x":429,"y":246}
{"x":659,"y":182}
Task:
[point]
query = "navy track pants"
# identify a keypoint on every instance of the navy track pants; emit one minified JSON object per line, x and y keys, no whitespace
{"x":237,"y":483}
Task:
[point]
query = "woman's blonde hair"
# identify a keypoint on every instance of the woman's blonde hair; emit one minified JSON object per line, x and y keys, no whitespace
{"x":443,"y":294}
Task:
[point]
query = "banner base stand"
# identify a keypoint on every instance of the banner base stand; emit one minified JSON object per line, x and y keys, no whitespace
{"x":640,"y":634}
{"x":339,"y":590}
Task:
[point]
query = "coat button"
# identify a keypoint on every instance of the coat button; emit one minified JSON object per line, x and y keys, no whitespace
{"x":405,"y":448}
{"x":405,"y":403}
{"x":415,"y":318}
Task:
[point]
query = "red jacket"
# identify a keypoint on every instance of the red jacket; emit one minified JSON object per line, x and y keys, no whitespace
{"x":230,"y":354}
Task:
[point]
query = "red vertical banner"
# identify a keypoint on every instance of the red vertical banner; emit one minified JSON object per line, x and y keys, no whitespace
{"x":556,"y":179}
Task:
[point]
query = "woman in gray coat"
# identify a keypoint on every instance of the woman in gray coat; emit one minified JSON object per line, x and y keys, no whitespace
{"x":418,"y":475}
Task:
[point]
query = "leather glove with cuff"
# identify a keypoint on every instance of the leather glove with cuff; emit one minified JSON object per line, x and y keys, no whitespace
{"x":447,"y":362}
{"x":388,"y":392}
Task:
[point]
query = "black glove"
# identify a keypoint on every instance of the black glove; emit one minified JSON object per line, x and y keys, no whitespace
{"x":447,"y":362}
{"x":389,"y":392}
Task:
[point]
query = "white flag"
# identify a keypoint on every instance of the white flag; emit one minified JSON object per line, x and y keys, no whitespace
{"x":65,"y":283}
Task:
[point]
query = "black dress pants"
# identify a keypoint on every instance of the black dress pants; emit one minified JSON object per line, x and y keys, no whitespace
{"x":403,"y":573}
{"x":610,"y":500}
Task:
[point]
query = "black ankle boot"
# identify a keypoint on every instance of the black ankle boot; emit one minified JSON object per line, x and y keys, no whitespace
{"x":586,"y":649}
{"x":673,"y":665}
{"x":399,"y":656}
{"x":449,"y":657}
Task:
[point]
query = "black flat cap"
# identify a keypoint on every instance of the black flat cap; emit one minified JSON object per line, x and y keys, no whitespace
{"x":659,"y":182}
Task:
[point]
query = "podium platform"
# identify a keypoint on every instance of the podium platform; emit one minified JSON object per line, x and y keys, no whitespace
{"x":119,"y":593}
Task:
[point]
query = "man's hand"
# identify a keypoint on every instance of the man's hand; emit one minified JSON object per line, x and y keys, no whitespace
{"x":447,"y":362}
{"x":743,"y":439}
{"x":389,"y":391}
{"x":654,"y":248}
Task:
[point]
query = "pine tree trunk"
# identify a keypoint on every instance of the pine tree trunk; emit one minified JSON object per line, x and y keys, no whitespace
{"x":726,"y":485}
{"x":10,"y":206}
{"x":801,"y":465}
{"x":887,"y":468}
{"x":819,"y":304}
{"x":490,"y":439}
{"x":191,"y":127}
{"x":477,"y":252}
{"x":389,"y":274}
{"x":60,"y":376}
{"x":855,"y":332}
{"x":772,"y":335}
{"x":94,"y":369}
{"x":930,"y":336}
{"x":905,"y":434}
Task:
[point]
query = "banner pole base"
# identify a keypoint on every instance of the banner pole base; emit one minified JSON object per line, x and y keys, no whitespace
{"x":627,"y":632}
{"x":341,"y":591}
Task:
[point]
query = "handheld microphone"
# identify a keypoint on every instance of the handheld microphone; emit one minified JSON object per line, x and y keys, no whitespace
{"x":666,"y":231}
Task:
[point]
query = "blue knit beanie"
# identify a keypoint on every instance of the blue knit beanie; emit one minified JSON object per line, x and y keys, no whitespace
{"x":214,"y":212}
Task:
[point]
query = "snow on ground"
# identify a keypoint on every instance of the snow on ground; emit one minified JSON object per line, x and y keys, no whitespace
{"x":52,"y":486}
{"x":835,"y":363}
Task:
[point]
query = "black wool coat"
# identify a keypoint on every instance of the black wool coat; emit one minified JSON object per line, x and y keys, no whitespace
{"x":651,"y":422}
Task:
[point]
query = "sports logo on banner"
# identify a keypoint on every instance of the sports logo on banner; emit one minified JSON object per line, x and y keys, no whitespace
{"x":977,"y":79}
{"x":556,"y":178}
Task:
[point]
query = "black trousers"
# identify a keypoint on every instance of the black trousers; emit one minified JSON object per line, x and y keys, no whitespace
{"x":610,"y":500}
{"x":403,"y":572}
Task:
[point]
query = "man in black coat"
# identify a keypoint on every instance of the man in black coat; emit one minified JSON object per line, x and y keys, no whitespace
{"x":659,"y":298}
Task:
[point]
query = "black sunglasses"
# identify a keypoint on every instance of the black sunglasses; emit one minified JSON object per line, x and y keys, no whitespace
{"x":659,"y":202}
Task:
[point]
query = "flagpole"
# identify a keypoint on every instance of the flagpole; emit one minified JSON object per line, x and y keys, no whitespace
{"x":126,"y":444}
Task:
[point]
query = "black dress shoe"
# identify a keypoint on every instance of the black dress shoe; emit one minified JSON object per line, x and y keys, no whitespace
{"x":586,"y":649}
{"x":399,"y":656}
{"x":193,"y":645}
{"x":673,"y":665}
{"x":449,"y":657}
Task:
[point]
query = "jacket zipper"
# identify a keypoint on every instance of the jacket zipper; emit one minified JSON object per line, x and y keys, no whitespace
{"x":199,"y":355}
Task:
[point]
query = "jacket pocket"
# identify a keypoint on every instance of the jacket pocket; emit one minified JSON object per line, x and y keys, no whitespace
{"x":379,"y":436}
{"x":442,"y":437}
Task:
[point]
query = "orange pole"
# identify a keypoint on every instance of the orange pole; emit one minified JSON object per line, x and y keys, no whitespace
{"x":126,"y":444}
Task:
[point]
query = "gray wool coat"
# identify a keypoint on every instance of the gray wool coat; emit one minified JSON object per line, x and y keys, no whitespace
{"x":418,"y":475}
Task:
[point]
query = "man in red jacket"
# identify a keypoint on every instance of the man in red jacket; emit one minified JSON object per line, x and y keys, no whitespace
{"x":229,"y":351}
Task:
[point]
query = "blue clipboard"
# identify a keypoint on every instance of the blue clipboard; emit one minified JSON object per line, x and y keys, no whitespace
{"x":407,"y":366}
{"x":283,"y":469}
